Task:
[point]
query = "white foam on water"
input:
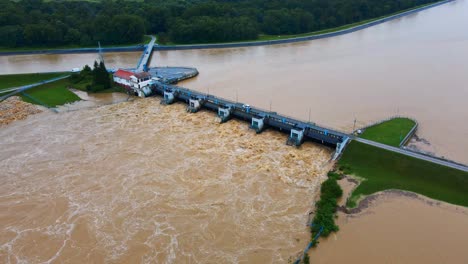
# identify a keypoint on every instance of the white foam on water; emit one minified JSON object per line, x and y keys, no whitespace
{"x":141,"y":182}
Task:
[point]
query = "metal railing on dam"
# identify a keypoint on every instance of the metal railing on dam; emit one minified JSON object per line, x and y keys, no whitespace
{"x":143,"y":62}
{"x":298,"y":130}
{"x":259,"y":118}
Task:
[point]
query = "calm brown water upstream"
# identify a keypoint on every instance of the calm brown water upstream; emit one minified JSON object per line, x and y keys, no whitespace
{"x":138,"y":182}
{"x":415,"y":66}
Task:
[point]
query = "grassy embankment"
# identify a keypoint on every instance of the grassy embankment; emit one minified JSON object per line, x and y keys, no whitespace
{"x":16,"y":80}
{"x":265,"y":37}
{"x":51,"y":94}
{"x":379,"y":169}
{"x":145,"y":40}
{"x":391,"y":132}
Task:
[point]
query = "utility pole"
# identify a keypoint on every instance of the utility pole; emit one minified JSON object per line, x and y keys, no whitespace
{"x":354,"y":125}
{"x":101,"y":57}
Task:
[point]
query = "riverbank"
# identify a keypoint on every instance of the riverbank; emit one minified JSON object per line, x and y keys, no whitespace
{"x":17,"y":80}
{"x":398,"y":227}
{"x":380,"y":169}
{"x":264,"y":40}
{"x":76,"y":49}
{"x":13,"y":109}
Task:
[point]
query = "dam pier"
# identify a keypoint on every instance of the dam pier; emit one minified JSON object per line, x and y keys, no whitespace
{"x":161,"y":81}
{"x":259,"y":119}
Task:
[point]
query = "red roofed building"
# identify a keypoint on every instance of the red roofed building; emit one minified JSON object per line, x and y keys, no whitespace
{"x":136,"y":82}
{"x":122,"y":77}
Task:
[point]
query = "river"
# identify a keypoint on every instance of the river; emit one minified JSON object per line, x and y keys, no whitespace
{"x":413,"y":66}
{"x":140,"y":182}
{"x":398,"y":228}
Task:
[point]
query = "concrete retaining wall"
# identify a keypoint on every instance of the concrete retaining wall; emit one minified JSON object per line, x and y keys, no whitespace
{"x":409,"y":135}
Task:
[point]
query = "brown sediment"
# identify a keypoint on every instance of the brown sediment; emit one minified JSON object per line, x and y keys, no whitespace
{"x":347,"y":184}
{"x":141,"y":182}
{"x":367,"y":201}
{"x":13,"y":108}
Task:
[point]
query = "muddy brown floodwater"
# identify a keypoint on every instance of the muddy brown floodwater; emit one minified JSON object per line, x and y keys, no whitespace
{"x":414,"y":66}
{"x":398,"y":228}
{"x":140,"y":182}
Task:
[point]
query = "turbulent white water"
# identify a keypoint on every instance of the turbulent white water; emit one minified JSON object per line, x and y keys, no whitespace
{"x":140,"y":182}
{"x":413,"y":66}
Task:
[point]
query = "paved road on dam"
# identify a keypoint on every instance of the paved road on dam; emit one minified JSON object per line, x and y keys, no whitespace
{"x":146,"y":54}
{"x":414,"y":154}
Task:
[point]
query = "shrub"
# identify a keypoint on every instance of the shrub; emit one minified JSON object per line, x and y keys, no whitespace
{"x":324,"y":217}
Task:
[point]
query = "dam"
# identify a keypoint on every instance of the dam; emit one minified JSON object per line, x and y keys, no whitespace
{"x":163,"y":80}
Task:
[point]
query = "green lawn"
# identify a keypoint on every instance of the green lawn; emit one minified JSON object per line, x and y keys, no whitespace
{"x":390,"y":132}
{"x":52,"y":94}
{"x":381,"y":170}
{"x":15,"y":80}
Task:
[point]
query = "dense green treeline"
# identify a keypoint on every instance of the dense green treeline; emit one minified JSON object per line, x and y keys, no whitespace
{"x":38,"y":23}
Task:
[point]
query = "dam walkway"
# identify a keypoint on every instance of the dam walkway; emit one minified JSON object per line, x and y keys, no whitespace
{"x":143,"y":62}
{"x":299,"y":131}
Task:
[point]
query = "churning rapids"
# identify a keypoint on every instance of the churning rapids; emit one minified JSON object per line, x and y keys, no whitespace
{"x":140,"y":182}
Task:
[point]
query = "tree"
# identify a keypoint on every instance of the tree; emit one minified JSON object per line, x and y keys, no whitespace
{"x":40,"y":23}
{"x":11,"y":36}
{"x":101,"y":78}
{"x":125,"y":29}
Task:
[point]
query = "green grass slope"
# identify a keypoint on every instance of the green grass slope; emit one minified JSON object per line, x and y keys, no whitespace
{"x":15,"y":80}
{"x":381,"y":170}
{"x":51,"y":94}
{"x":390,"y":132}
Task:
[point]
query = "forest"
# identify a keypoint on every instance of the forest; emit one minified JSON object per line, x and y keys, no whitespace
{"x":55,"y":23}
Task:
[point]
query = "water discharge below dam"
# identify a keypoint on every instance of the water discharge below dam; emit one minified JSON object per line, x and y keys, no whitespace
{"x":414,"y":66}
{"x":138,"y":181}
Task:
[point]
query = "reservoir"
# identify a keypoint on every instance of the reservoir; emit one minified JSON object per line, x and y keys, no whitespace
{"x":413,"y":66}
{"x":139,"y":182}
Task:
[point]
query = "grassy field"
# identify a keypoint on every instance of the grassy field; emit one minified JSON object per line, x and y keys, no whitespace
{"x":51,"y":94}
{"x":15,"y":80}
{"x":390,"y":132}
{"x":381,"y":170}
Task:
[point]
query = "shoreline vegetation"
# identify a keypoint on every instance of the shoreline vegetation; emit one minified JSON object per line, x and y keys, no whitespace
{"x":263,"y":37}
{"x":377,"y":169}
{"x":374,"y":171}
